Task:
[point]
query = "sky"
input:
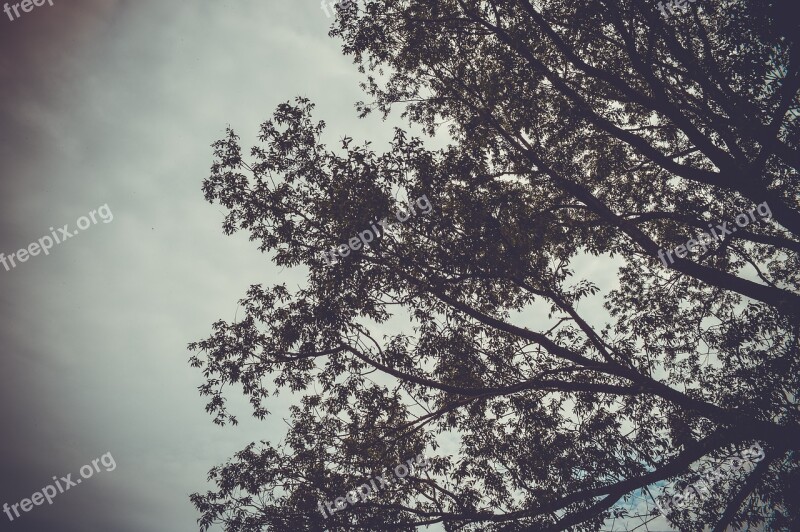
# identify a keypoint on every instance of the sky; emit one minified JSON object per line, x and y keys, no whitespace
{"x":116,"y":102}
{"x":111,"y":106}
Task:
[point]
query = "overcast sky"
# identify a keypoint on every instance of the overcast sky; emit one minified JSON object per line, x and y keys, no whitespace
{"x":116,"y":102}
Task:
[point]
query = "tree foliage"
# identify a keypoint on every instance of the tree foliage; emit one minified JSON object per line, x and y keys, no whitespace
{"x":525,"y":335}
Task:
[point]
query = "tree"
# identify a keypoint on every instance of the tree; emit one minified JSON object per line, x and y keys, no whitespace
{"x":585,"y":138}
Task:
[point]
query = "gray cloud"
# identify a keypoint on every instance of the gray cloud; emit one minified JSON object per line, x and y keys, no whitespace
{"x":112,"y":101}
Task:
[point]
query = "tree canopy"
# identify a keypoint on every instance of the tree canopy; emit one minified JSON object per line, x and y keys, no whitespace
{"x":525,"y":335}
